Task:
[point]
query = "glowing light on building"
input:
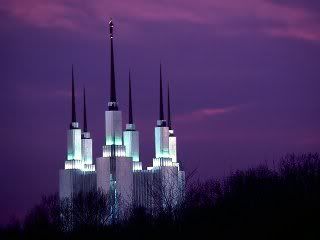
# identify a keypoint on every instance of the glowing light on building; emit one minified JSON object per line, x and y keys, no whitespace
{"x":162,"y":142}
{"x":119,"y":172}
{"x":114,"y":150}
{"x":74,"y":144}
{"x":172,"y":146}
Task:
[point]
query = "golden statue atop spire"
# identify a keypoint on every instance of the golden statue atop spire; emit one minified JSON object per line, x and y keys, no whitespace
{"x":111,"y":28}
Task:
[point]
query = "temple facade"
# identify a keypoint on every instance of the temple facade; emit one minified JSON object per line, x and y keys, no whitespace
{"x":119,"y":171}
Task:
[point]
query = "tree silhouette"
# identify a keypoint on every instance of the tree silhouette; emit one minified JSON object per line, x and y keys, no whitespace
{"x":261,"y":203}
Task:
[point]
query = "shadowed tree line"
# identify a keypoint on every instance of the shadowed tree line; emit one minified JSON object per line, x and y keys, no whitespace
{"x":260,"y":203}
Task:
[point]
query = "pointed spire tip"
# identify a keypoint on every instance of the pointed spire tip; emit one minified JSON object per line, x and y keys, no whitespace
{"x":161,"y":114}
{"x":85,"y":126}
{"x":169,"y":109}
{"x":113,"y":98}
{"x":73,"y":117}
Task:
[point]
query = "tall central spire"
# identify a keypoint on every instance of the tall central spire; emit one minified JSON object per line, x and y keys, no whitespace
{"x":169,"y":110}
{"x":73,"y":117}
{"x":85,"y":126}
{"x":113,"y":96}
{"x":130,"y":101}
{"x":161,"y":115}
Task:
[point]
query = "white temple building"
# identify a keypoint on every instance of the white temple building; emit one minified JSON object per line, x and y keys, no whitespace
{"x":119,"y":172}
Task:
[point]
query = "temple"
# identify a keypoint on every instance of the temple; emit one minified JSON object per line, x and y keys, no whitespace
{"x":119,"y":172}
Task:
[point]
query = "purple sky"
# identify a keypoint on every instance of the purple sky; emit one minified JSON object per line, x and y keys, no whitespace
{"x":245,"y":79}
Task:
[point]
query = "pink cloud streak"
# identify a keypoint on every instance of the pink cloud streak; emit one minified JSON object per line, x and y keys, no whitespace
{"x":222,"y":14}
{"x":202,"y":114}
{"x":293,"y":32}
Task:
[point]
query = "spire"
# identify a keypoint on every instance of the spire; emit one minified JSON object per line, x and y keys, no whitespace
{"x":113,"y":97}
{"x":130,"y":101}
{"x":169,"y":111}
{"x":85,"y":126}
{"x":161,"y":115}
{"x":73,"y":118}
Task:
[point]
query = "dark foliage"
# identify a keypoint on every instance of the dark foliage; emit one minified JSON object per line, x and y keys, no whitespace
{"x":258,"y":203}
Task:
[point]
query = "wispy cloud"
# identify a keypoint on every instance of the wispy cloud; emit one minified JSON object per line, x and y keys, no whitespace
{"x":205,"y":113}
{"x":48,"y":14}
{"x":40,"y":93}
{"x":261,"y":16}
{"x":294,"y":32}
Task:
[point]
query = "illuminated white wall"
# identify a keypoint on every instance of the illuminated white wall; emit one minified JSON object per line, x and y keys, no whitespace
{"x":119,"y":150}
{"x":86,"y":148}
{"x":80,"y":165}
{"x":113,"y":127}
{"x":73,"y":164}
{"x":73,"y":181}
{"x":172,"y":146}
{"x":165,"y":186}
{"x":66,"y":186}
{"x":124,"y":180}
{"x":131,"y":142}
{"x":89,"y":168}
{"x":142,"y":188}
{"x":170,"y":185}
{"x":103,"y":174}
{"x":164,"y":162}
{"x":74,"y":143}
{"x":161,"y":141}
{"x":136,"y":166}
